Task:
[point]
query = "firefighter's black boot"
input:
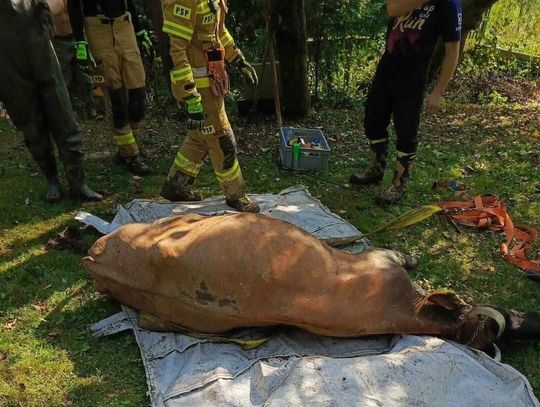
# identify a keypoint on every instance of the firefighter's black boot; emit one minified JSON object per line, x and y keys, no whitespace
{"x":396,"y":190}
{"x":244,"y":204}
{"x":375,"y":172}
{"x":134,"y":164}
{"x":177,"y":188}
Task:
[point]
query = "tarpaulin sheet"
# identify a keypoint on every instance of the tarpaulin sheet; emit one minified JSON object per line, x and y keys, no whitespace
{"x":295,"y":368}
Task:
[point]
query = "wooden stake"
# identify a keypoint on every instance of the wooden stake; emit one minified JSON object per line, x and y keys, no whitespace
{"x":277,"y":103}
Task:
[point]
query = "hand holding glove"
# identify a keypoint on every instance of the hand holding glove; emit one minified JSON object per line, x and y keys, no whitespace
{"x":247,"y":70}
{"x":195,"y":112}
{"x":83,"y":56}
{"x":145,"y":44}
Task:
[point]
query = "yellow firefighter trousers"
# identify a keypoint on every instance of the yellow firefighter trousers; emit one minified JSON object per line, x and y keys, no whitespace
{"x":114,"y":47}
{"x":217,"y":140}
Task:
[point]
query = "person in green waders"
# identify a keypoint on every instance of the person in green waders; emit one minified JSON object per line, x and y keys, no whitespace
{"x":35,"y":96}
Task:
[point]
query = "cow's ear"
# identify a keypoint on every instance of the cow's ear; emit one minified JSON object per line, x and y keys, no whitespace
{"x":446,"y":299}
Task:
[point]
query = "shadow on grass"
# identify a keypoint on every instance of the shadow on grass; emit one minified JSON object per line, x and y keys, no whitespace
{"x":108,"y":369}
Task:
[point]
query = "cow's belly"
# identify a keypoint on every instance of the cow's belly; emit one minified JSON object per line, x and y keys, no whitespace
{"x":213,"y":274}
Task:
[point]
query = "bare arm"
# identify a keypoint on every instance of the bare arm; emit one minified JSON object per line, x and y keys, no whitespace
{"x":449,"y":63}
{"x":398,"y":8}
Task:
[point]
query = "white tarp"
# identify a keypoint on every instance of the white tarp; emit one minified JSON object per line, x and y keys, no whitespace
{"x":295,"y":368}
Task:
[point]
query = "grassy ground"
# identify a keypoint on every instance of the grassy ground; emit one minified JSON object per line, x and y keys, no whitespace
{"x":47,"y":357}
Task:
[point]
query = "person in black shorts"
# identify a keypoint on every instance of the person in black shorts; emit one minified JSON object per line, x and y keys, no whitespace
{"x":398,"y":88}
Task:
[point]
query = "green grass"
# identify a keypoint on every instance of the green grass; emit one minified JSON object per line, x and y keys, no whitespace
{"x":47,"y":357}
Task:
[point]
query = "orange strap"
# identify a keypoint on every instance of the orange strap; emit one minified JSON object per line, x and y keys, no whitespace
{"x":488,"y":212}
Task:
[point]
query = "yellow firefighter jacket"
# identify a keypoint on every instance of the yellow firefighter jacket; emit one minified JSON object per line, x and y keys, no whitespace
{"x":195,"y":26}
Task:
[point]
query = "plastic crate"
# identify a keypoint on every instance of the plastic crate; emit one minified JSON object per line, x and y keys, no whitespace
{"x":309,"y":159}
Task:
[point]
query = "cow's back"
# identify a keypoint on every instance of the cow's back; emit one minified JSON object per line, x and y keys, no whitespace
{"x":207,"y":273}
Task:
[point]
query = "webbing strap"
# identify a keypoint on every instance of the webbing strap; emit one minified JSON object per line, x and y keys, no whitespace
{"x":488,"y":212}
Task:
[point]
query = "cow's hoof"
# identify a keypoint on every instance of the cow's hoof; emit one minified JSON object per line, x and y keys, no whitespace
{"x":411,"y":262}
{"x":404,"y":260}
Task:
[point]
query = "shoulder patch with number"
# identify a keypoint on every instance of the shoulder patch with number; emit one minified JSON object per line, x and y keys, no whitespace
{"x":181,"y":11}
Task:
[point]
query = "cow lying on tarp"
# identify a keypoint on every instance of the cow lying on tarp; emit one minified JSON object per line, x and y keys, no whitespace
{"x":214,"y":274}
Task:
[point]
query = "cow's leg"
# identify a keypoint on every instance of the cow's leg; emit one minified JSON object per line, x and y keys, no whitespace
{"x":406,"y":261}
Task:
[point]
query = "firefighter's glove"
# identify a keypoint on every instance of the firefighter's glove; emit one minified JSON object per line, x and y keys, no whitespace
{"x":146,"y":46}
{"x":247,"y":70}
{"x":195,"y":112}
{"x":217,"y":71}
{"x":83,"y":56}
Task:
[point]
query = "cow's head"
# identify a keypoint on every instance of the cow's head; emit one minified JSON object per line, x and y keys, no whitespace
{"x":481,"y":327}
{"x":486,"y":325}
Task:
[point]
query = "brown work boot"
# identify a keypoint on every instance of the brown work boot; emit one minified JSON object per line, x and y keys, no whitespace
{"x":396,"y":191}
{"x":134,"y":164}
{"x":177,"y":188}
{"x":375,"y":172}
{"x":244,"y":204}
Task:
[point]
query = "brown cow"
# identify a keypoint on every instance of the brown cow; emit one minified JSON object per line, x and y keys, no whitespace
{"x":214,"y":274}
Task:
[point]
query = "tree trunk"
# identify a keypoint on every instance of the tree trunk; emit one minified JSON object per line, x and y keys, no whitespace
{"x":289,"y":26}
{"x":473,"y":10}
{"x":155,"y":14}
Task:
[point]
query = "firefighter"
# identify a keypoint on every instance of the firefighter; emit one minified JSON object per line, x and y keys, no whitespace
{"x":112,"y":29}
{"x":34,"y":94}
{"x":397,"y":90}
{"x":200,"y":48}
{"x":78,"y":82}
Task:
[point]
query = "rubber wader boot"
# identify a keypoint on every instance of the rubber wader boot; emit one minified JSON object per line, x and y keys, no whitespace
{"x":177,"y":188}
{"x":244,"y":204}
{"x":396,"y":191}
{"x":134,"y":164}
{"x":77,"y":185}
{"x":54,"y":192}
{"x":375,"y":172}
{"x":43,"y":156}
{"x":48,"y":167}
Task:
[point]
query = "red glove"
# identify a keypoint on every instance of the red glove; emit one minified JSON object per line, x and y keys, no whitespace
{"x":217,"y":71}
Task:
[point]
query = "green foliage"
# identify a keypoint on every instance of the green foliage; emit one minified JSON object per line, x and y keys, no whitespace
{"x":516,"y":24}
{"x":494,"y":97}
{"x":346,"y":39}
